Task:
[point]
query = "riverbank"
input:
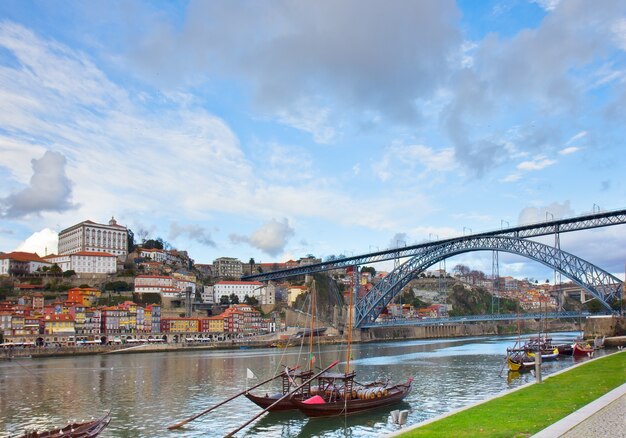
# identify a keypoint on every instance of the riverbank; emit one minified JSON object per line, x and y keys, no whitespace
{"x":275,"y":342}
{"x":532,"y":407}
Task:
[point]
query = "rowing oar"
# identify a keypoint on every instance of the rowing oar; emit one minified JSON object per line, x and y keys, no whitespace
{"x":182,"y":423}
{"x":289,"y":394}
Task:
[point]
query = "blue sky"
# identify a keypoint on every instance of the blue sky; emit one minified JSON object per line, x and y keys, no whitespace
{"x":273,"y":130}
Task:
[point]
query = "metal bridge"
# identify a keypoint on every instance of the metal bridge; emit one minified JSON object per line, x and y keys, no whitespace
{"x":478,"y":318}
{"x":597,"y":282}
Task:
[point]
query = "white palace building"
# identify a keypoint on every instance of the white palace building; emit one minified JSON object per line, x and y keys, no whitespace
{"x":88,"y":236}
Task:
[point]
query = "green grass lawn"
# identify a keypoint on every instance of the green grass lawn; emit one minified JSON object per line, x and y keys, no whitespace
{"x":531,"y":409}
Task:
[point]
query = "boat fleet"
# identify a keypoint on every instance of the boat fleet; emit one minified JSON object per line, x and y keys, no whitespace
{"x":524,"y":357}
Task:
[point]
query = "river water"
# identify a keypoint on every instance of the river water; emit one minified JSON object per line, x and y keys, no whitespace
{"x":147,"y":392}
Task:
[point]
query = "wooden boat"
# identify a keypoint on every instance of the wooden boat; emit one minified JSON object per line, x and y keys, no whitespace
{"x":288,"y":383}
{"x":87,"y":429}
{"x":520,"y":363}
{"x":581,"y":349}
{"x":278,"y":402}
{"x":338,"y":394}
{"x":565,"y":349}
{"x":546,"y":355}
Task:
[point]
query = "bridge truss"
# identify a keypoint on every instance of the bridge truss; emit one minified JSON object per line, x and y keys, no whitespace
{"x":597,"y":220}
{"x":598,"y":282}
{"x":480,"y":318}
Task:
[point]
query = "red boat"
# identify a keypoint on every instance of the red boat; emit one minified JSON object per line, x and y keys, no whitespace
{"x":338,"y":394}
{"x":582,"y":349}
{"x":88,"y":429}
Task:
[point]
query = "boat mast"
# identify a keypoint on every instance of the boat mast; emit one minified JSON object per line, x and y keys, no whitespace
{"x":312,"y":326}
{"x":354,"y":285}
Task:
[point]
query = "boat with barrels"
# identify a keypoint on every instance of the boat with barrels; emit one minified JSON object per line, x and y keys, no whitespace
{"x":339,"y":394}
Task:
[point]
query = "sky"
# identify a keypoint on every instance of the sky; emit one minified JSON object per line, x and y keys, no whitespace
{"x":273,"y":130}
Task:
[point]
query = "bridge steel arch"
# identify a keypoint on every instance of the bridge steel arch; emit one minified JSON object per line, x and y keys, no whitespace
{"x":599,"y":283}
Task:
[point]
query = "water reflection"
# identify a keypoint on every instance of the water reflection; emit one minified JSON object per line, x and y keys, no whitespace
{"x":148,"y":392}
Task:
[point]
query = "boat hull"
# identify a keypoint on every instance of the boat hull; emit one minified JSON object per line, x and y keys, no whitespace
{"x":266,"y":401}
{"x":565,"y":349}
{"x":394,"y":395}
{"x":581,"y":350}
{"x":519,"y":365}
{"x":89,"y":429}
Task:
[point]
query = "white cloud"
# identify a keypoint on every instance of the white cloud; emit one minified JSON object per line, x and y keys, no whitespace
{"x":531,"y":215}
{"x":271,"y":237}
{"x":576,"y":137}
{"x":193,"y":232}
{"x":145,"y":147}
{"x":511,"y":177}
{"x":569,"y":150}
{"x":548,"y":5}
{"x":411,"y":161}
{"x":537,"y":164}
{"x":42,"y":242}
{"x":311,"y":119}
{"x":619,"y":32}
{"x":285,"y":164}
{"x":341,"y":51}
{"x":49,"y":189}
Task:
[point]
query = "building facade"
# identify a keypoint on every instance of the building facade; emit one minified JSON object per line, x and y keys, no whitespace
{"x":93,"y":237}
{"x":254,"y":289}
{"x":20,"y":263}
{"x":227,"y":267}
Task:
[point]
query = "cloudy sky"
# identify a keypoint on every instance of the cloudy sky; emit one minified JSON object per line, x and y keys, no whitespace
{"x":273,"y":130}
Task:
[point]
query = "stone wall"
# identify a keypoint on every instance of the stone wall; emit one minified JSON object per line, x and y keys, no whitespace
{"x":605,"y":326}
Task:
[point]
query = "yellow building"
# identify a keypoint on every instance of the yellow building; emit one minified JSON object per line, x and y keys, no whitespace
{"x":59,"y":324}
{"x":147,"y":320}
{"x":186,"y":325}
{"x":216,"y":324}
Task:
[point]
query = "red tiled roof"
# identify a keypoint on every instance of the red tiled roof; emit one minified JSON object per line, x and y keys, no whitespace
{"x":60,"y":317}
{"x":29,"y":286}
{"x":22,"y":256}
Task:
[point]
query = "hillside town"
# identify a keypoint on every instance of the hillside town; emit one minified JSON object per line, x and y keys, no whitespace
{"x":101,"y":287}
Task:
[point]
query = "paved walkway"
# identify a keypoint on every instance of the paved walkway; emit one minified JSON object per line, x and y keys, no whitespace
{"x":604,"y":417}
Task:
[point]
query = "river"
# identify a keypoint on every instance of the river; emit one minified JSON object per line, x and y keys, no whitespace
{"x":147,"y":392}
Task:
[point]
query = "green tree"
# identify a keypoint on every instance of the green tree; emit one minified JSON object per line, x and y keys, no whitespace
{"x":153,"y":243}
{"x":224,"y":300}
{"x":130,"y":240}
{"x":234,"y":299}
{"x":56,"y":270}
{"x":369,"y":269}
{"x":69,"y":273}
{"x":252,"y":301}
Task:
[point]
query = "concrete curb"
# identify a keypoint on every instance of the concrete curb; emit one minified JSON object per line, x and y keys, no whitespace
{"x":501,"y":394}
{"x":574,"y":419}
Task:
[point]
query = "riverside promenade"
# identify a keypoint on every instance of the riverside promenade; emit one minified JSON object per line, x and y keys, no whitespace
{"x":586,"y":400}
